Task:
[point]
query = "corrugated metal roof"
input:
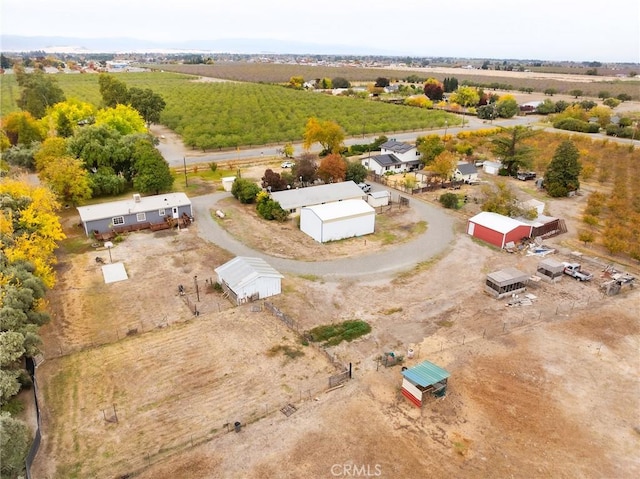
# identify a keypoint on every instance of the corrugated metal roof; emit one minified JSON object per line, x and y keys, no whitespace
{"x":501,"y":224}
{"x":508,"y":276}
{"x":126,"y":207}
{"x":315,"y":195}
{"x":341,"y":209}
{"x":241,"y":270}
{"x":425,"y":374}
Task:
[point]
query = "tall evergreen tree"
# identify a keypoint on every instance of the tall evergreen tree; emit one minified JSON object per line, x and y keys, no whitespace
{"x":562,"y":175}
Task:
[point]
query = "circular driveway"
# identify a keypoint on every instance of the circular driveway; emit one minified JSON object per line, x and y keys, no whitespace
{"x":437,"y":237}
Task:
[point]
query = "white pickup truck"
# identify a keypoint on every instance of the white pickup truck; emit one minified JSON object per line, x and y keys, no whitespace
{"x":575,"y":270}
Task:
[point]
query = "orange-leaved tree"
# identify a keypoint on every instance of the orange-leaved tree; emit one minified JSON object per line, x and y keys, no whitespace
{"x":332,"y":169}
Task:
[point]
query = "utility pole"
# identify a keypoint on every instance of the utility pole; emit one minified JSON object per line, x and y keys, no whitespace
{"x":184,"y":161}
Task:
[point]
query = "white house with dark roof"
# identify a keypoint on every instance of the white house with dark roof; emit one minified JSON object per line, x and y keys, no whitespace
{"x":395,"y":157}
{"x":466,"y":172}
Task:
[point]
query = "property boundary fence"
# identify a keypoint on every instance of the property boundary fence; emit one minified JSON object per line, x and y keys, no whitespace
{"x":35,"y":445}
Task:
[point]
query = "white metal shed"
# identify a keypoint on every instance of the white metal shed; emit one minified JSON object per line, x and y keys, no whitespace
{"x":338,"y":220}
{"x":249,"y":279}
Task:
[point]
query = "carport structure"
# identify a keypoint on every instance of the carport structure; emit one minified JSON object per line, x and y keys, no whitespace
{"x":424,"y":379}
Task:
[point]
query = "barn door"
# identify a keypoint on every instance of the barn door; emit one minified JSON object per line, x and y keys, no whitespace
{"x":175,"y":212}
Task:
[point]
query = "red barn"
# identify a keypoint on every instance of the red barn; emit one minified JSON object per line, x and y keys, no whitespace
{"x":497,"y":229}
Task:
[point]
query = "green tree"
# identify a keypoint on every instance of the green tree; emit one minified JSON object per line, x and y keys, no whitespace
{"x":68,"y":179}
{"x":356,"y":171}
{"x":148,"y":104}
{"x":550,"y":91}
{"x":340,"y":82}
{"x":244,"y":190}
{"x":151,"y":171}
{"x":270,"y":209}
{"x":287,"y":150}
{"x":604,"y":94}
{"x":465,"y":96}
{"x":328,"y":133}
{"x":114,"y":92}
{"x":499,"y":198}
{"x":122,"y":118}
{"x":509,"y":148}
{"x":507,"y":106}
{"x":449,"y":200}
{"x":547,"y":107}
{"x":22,"y":128}
{"x":39,"y":92}
{"x":429,"y":147}
{"x":14,"y":445}
{"x":575,"y":93}
{"x":562,"y":175}
{"x":450,"y":84}
{"x":382,"y":82}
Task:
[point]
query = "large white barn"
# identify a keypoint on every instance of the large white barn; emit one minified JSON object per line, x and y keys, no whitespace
{"x":338,"y":220}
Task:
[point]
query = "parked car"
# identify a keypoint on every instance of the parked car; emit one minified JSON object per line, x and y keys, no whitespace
{"x":366,"y":187}
{"x":528,"y":175}
{"x":287,"y":164}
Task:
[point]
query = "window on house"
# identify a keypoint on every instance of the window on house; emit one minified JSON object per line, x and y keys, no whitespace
{"x":141,"y":217}
{"x":118,"y":220}
{"x":161,"y":212}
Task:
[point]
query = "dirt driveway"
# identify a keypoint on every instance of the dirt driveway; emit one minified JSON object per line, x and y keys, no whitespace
{"x":547,"y":389}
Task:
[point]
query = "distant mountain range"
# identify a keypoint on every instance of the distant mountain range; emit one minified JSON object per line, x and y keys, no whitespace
{"x":15,"y":43}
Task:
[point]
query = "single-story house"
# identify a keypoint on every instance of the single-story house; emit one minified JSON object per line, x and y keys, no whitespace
{"x":550,"y":270}
{"x":395,"y":156}
{"x":466,"y":172}
{"x":139,"y":212}
{"x":248,"y":279}
{"x":293,"y":200}
{"x":379,"y":198}
{"x":491,"y":167}
{"x":338,"y":220}
{"x":506,"y":282}
{"x":424,"y":379}
{"x":497,"y":229}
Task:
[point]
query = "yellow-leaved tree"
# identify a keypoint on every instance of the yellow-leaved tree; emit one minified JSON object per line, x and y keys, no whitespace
{"x":122,"y":118}
{"x":328,"y":133}
{"x":30,"y":226}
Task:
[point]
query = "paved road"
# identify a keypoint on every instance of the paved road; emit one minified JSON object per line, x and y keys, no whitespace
{"x":436,"y":239}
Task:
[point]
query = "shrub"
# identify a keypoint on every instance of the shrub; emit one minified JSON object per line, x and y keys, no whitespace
{"x":213,"y":166}
{"x":573,"y":124}
{"x":449,"y":200}
{"x":334,"y":334}
{"x":245,"y":191}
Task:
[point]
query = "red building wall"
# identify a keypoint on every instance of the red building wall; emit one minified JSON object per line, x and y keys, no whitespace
{"x":487,"y":234}
{"x":517,"y":234}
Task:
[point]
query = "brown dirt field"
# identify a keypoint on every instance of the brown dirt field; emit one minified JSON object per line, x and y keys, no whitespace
{"x":545,"y":390}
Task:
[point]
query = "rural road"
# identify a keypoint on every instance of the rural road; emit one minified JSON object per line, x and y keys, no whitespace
{"x":436,"y":239}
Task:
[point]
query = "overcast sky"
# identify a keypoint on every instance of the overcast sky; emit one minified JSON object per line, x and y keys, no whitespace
{"x":524,"y":29}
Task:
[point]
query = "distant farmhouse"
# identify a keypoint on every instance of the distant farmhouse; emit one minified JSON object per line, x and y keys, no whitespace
{"x":394,"y":157}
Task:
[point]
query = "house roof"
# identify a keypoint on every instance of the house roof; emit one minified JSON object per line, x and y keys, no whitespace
{"x":131,"y":206}
{"x":540,"y":220}
{"x":380,"y":194}
{"x":467,"y":168}
{"x":242,"y":270}
{"x":508,"y":276}
{"x":316,"y":195}
{"x":492,"y":164}
{"x":397,"y":146}
{"x":425,"y":374}
{"x":551,"y":264}
{"x":501,"y":224}
{"x":341,"y":209}
{"x":386,"y":159}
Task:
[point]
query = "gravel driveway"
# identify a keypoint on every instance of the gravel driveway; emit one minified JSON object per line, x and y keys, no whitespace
{"x":437,"y":237}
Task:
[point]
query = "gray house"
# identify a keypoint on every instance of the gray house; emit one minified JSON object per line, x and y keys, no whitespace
{"x":466,"y":172}
{"x":139,"y":212}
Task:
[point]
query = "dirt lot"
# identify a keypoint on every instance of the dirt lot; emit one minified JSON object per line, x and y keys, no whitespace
{"x":544,"y":390}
